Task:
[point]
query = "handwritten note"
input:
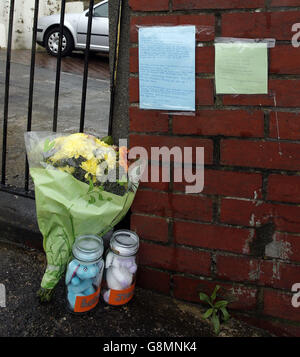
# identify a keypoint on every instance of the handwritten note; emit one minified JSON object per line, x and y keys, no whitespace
{"x":167,"y":67}
{"x":241,"y":68}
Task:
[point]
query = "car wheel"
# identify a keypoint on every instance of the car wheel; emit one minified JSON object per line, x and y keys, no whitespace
{"x":52,"y":42}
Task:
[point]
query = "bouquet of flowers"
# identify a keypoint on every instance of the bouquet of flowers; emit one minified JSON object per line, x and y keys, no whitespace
{"x":83,"y":185}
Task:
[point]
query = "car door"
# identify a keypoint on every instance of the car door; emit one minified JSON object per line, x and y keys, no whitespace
{"x":100,"y":30}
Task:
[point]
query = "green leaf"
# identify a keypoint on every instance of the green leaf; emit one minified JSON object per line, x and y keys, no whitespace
{"x":123,"y":181}
{"x":100,"y":197}
{"x":109,"y":199}
{"x":91,"y":185}
{"x":48,"y":145}
{"x":207,"y":313}
{"x":220,"y":304}
{"x":205,"y":298}
{"x":216,"y":323}
{"x":45,"y":295}
{"x":108,"y":140}
{"x":225,"y":313}
{"x":92,"y":200}
{"x":214,"y":294}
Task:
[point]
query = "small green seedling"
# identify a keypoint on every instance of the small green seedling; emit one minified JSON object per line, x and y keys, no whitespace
{"x":217,"y":310}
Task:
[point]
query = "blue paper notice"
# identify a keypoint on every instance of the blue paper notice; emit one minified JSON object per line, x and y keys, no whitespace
{"x":167,"y":67}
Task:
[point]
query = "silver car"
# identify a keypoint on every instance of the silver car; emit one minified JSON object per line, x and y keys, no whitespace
{"x":75,"y":31}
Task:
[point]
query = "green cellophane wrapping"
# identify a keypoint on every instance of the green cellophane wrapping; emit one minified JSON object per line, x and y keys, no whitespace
{"x":64,"y":212}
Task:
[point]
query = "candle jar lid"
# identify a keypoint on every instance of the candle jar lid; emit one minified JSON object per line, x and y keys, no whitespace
{"x":88,"y":248}
{"x":124,"y":243}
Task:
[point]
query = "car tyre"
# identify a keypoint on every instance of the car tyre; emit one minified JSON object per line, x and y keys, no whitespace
{"x":51,"y":42}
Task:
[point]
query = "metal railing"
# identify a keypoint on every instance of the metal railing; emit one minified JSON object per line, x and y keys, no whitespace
{"x":25,"y":191}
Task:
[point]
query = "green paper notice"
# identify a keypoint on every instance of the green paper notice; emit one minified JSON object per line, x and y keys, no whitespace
{"x":241,"y":68}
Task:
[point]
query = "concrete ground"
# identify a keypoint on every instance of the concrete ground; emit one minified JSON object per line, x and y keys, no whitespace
{"x":148,"y":314}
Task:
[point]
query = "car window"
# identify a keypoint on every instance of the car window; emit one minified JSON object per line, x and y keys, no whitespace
{"x":101,"y":11}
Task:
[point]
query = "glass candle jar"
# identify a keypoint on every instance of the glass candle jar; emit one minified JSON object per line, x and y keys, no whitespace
{"x":84,"y":273}
{"x":121,"y":268}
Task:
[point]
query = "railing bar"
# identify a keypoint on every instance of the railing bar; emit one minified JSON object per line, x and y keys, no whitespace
{"x":86,"y":66}
{"x":6,"y":97}
{"x":31,"y":83}
{"x":58,"y":65}
{"x":115,"y":68}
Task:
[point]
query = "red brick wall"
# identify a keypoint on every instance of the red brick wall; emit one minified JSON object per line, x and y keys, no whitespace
{"x":243,"y":230}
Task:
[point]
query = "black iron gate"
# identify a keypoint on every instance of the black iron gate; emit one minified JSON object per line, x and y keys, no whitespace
{"x":25,"y":191}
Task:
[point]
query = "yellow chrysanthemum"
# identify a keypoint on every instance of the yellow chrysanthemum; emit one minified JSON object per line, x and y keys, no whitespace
{"x":101,"y":143}
{"x":74,"y":145}
{"x":93,"y":150}
{"x":90,"y":166}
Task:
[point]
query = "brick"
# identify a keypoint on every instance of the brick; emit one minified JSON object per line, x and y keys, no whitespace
{"x":151,"y":202}
{"x":279,"y":275}
{"x":285,"y":3}
{"x":284,"y":59}
{"x":134,"y":95}
{"x":285,"y":125}
{"x":147,"y":182}
{"x":282,"y":93}
{"x":284,"y":246}
{"x":286,"y":218}
{"x":134,"y":60}
{"x":189,"y":289}
{"x":170,"y":205}
{"x":205,"y":24}
{"x":204,"y":91}
{"x":146,"y":5}
{"x":260,"y":24}
{"x":205,"y":59}
{"x":277,"y":328}
{"x":237,"y":268}
{"x":216,"y":4}
{"x":221,"y":122}
{"x":175,"y":259}
{"x":151,"y":141}
{"x":261,"y":154}
{"x":207,"y":236}
{"x":278,"y":304}
{"x":191,"y":207}
{"x":284,"y":188}
{"x":150,"y":228}
{"x":148,"y":121}
{"x":153,"y":279}
{"x":227,"y":183}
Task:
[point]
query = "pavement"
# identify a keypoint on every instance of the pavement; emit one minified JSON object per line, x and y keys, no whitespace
{"x":148,"y":314}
